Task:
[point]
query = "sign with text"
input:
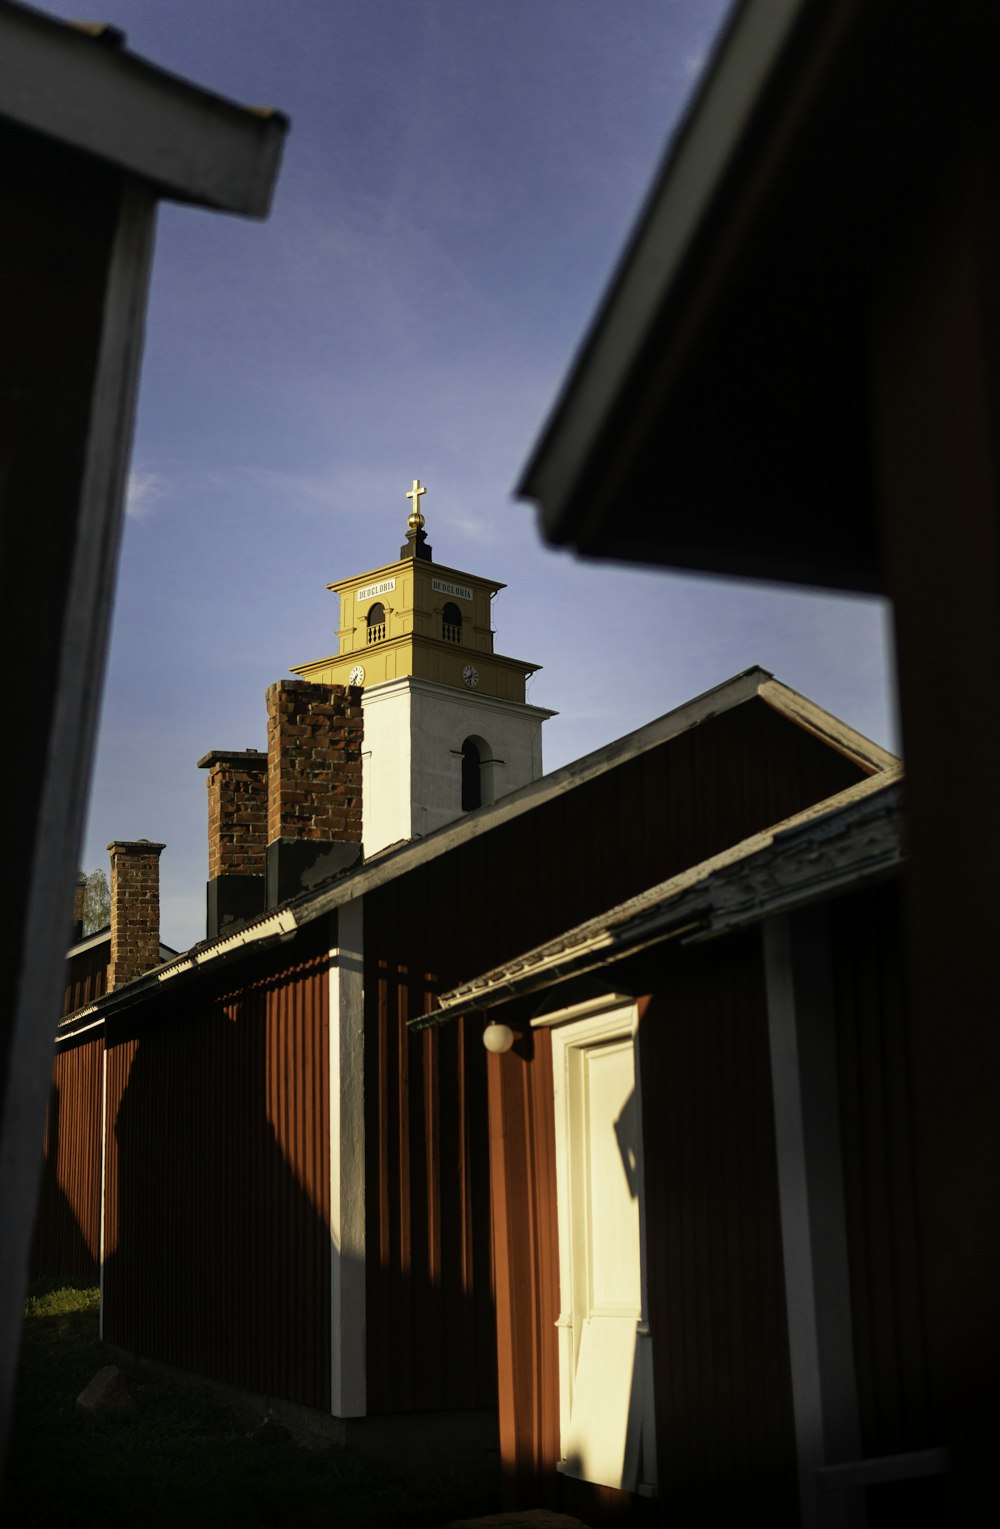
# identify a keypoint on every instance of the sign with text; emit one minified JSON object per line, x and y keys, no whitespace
{"x":457,"y":591}
{"x":370,"y":591}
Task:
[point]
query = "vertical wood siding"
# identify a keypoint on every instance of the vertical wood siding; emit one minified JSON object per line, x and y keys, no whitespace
{"x":526,"y":1242}
{"x":217,"y":1241}
{"x":67,"y":1227}
{"x":86,"y":976}
{"x":431,"y":1332}
{"x":724,"y":1427}
{"x":217,"y":1251}
{"x":510,"y":887}
{"x":724,"y":1422}
{"x":879,"y":1183}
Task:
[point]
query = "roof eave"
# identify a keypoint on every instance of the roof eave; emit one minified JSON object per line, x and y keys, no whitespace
{"x":88,"y":93}
{"x":695,"y":168}
{"x":848,"y":841}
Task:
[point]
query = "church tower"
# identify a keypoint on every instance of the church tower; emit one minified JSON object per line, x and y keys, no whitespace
{"x":446,"y":724}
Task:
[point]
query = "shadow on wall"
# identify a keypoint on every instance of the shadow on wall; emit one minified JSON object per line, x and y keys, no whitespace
{"x":217,"y":1241}
{"x":69,"y":1198}
{"x":217,"y":1253}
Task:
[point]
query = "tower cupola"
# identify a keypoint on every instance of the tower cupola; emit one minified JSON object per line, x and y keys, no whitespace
{"x":417,"y":636}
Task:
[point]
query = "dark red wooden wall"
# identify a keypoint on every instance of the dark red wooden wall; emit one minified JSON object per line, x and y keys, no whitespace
{"x":508,"y":888}
{"x":217,"y":1246}
{"x":877,"y":1139}
{"x":724,"y":1427}
{"x":724,"y":1424}
{"x":217,"y":1166}
{"x":526,"y":1242}
{"x":531,"y":877}
{"x":888,"y":1301}
{"x":431,"y":1329}
{"x":86,"y":976}
{"x":68,"y":1221}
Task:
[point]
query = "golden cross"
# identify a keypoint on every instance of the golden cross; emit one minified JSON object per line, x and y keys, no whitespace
{"x":416,"y":518}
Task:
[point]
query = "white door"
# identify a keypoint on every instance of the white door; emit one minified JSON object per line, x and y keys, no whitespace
{"x":605,"y":1379}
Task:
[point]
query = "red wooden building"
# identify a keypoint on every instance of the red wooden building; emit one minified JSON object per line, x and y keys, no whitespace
{"x":702,"y":1188}
{"x":792,"y":376}
{"x":291,"y":1191}
{"x":67,"y":1230}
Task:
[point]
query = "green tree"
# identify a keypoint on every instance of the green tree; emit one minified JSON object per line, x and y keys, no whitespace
{"x":96,"y":901}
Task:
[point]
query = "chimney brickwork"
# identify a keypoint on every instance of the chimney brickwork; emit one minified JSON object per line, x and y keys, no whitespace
{"x":314,"y":737}
{"x":79,"y":901}
{"x":237,"y":835}
{"x":135,"y":909}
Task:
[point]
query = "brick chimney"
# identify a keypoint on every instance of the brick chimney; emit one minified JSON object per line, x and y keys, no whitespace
{"x":79,"y":898}
{"x":237,"y":836}
{"x":135,"y":909}
{"x":313,"y":784}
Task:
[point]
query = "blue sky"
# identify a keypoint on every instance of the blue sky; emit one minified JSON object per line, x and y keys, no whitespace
{"x":458,"y":181}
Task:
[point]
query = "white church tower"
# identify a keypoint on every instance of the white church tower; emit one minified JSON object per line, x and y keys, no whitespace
{"x":447,"y":727}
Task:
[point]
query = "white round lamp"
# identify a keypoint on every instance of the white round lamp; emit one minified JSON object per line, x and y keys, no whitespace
{"x":498,"y":1038}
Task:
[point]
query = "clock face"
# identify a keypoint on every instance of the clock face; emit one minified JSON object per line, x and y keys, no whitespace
{"x":470,"y":675}
{"x":356,"y":676}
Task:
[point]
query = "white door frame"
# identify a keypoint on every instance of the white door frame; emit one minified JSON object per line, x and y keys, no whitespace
{"x":572,"y":1039}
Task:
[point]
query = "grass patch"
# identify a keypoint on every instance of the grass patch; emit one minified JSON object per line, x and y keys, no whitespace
{"x":185,"y":1460}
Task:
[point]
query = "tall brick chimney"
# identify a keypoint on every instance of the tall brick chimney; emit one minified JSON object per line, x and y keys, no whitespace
{"x":135,"y":909}
{"x":237,"y":836}
{"x":313,"y":784}
{"x":79,"y":899}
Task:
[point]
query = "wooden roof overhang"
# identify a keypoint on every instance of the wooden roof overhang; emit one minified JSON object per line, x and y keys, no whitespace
{"x":849,"y":840}
{"x":717,"y":415}
{"x":79,"y":87}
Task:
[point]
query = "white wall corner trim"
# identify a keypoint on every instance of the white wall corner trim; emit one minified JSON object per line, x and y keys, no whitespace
{"x":347,"y":1166}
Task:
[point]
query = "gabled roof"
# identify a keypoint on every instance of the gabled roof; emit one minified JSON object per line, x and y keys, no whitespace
{"x":102,"y":936}
{"x":79,"y":86}
{"x":716,"y":416}
{"x":282,"y":923}
{"x":850,"y":839}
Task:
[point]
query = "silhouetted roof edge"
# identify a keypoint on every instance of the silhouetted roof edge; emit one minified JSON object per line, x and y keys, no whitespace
{"x":282,"y":923}
{"x":81,"y":88}
{"x":849,"y":839}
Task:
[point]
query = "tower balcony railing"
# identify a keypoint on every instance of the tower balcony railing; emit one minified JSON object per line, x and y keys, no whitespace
{"x":376,"y":633}
{"x":451,"y":633}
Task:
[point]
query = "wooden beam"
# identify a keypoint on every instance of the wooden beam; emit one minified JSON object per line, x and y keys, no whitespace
{"x":94,"y":97}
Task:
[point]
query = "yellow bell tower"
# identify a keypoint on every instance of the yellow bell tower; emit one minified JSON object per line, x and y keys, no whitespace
{"x":447,"y":727}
